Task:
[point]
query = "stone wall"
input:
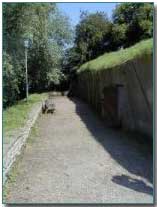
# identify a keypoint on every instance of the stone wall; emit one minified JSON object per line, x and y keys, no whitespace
{"x":13,"y":149}
{"x":123,"y":95}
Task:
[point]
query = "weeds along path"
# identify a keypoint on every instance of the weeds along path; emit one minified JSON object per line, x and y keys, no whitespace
{"x":72,"y":158}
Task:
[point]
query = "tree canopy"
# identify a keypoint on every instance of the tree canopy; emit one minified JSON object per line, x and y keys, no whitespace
{"x":134,"y":21}
{"x":92,"y":35}
{"x":48,"y":31}
{"x":55,"y":50}
{"x":95,"y":34}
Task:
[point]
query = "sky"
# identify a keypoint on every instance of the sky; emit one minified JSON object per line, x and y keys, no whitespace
{"x":73,"y":9}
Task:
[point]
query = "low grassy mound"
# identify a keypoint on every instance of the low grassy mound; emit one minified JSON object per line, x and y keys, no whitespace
{"x":15,"y":116}
{"x":112,"y":59}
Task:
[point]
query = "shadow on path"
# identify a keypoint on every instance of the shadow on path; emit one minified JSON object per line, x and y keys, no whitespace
{"x":132,"y":152}
{"x":135,"y":184}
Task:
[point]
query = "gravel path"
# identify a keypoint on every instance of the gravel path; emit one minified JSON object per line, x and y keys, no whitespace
{"x":75,"y":159}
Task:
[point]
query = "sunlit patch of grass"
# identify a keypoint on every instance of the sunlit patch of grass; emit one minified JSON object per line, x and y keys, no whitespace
{"x":112,"y":59}
{"x":15,"y":116}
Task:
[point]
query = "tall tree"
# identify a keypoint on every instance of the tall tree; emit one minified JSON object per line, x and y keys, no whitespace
{"x":92,"y":35}
{"x":132,"y":22}
{"x":49,"y":32}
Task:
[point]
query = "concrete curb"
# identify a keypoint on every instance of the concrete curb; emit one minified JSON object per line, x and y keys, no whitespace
{"x":15,"y":147}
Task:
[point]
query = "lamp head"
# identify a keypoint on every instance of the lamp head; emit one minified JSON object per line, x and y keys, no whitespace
{"x":26,"y":43}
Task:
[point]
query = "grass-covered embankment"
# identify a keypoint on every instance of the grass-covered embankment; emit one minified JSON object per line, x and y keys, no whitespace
{"x":112,"y":59}
{"x":15,"y":116}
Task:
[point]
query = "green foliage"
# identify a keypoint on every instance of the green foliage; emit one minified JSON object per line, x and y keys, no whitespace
{"x":118,"y":35}
{"x":136,"y":20}
{"x":15,"y":116}
{"x":92,"y":35}
{"x":49,"y":32}
{"x":96,"y":34}
{"x":10,"y":81}
{"x":71,"y":59}
{"x":112,"y":59}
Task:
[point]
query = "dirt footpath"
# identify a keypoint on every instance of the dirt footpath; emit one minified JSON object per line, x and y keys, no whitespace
{"x":73,"y":158}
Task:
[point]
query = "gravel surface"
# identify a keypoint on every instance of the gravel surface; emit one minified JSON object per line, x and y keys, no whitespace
{"x":75,"y":159}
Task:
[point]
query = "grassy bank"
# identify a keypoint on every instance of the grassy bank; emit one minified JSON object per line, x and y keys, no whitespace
{"x":109,"y":60}
{"x":15,"y":116}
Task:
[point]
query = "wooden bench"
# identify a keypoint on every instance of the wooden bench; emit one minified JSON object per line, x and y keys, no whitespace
{"x":48,"y":106}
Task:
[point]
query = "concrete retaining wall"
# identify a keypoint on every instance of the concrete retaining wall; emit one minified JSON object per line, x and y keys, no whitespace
{"x":125,"y":91}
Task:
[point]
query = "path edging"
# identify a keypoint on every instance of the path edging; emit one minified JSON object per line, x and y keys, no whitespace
{"x":15,"y":148}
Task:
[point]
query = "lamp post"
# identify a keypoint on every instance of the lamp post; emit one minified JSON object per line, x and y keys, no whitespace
{"x":26,"y":44}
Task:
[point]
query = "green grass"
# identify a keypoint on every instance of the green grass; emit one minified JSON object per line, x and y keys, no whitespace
{"x":112,"y":59}
{"x":15,"y":116}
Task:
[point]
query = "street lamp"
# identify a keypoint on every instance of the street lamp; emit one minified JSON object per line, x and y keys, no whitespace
{"x":26,"y":44}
